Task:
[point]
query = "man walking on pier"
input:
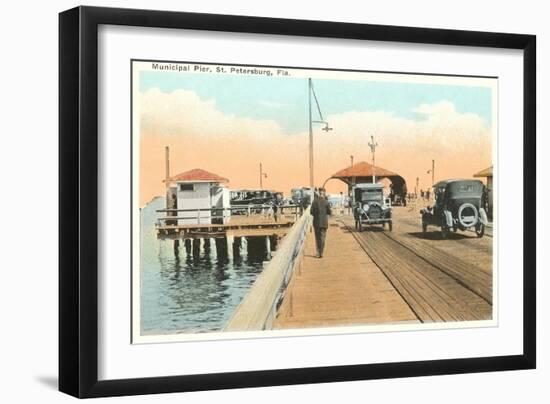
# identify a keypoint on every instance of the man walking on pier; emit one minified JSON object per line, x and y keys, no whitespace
{"x":320,"y":209}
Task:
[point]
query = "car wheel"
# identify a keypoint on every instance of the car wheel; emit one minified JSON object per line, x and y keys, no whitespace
{"x":480,"y":230}
{"x":424,"y":227}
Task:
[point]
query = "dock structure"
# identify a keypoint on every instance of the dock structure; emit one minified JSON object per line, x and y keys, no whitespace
{"x":371,"y":277}
{"x":199,"y":207}
{"x":343,"y":288}
{"x":376,"y":277}
{"x":259,"y":307}
{"x":235,"y":228}
{"x":255,"y":224}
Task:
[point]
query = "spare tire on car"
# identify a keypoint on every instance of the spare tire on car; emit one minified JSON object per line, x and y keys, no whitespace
{"x":467,"y":221}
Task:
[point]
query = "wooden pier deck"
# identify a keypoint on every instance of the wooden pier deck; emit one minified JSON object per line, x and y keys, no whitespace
{"x":238,"y":226}
{"x":345,"y":287}
{"x":378,"y":277}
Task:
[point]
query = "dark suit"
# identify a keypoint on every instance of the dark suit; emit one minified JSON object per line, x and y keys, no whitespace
{"x":320,"y":210}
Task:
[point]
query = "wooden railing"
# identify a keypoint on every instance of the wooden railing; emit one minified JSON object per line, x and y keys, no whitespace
{"x":259,"y":306}
{"x":248,"y":210}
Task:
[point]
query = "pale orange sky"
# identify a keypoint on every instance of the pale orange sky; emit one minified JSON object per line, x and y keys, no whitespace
{"x":287,"y":164}
{"x":200,"y":136}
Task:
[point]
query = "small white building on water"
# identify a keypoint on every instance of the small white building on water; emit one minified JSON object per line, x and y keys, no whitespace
{"x":201,"y":195}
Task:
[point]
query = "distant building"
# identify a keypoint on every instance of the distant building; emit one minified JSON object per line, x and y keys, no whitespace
{"x":204,"y":194}
{"x":488,"y":174}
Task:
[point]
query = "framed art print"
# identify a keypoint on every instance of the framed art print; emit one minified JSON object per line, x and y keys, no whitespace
{"x":251,"y":201}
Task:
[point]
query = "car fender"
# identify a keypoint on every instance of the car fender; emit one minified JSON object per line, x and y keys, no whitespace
{"x":360,"y":212}
{"x":448,"y":218}
{"x":483,"y":216}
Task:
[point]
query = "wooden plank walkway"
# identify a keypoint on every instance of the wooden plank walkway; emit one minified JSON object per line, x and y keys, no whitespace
{"x":463,"y":244}
{"x":470,"y":276}
{"x":345,"y":287}
{"x":434,"y":294}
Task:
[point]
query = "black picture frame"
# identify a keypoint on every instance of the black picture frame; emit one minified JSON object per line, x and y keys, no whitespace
{"x":78,"y":192}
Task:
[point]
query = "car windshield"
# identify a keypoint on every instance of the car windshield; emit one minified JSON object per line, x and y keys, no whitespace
{"x":371,"y":195}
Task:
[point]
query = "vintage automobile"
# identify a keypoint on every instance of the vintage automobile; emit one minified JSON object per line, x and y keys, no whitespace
{"x":398,"y":194}
{"x":370,"y":206}
{"x":301,"y":196}
{"x":243,"y":199}
{"x":459,"y":205}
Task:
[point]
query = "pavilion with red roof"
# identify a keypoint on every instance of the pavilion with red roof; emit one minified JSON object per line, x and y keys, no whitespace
{"x":363,"y":172}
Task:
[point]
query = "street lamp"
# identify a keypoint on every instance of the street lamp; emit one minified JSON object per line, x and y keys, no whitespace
{"x":327,"y":128}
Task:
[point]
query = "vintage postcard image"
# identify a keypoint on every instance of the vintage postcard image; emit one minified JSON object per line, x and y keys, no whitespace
{"x":276,"y":201}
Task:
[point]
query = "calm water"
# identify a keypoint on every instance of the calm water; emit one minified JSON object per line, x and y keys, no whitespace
{"x":186,"y":292}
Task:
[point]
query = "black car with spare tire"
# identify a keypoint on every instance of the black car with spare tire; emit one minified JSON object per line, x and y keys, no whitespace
{"x":459,"y":205}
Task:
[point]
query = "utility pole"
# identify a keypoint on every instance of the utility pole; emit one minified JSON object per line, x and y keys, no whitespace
{"x":262,"y":176}
{"x":433,"y":172}
{"x":167,"y":175}
{"x":416,"y":188}
{"x":372,"y":146}
{"x":311,"y":182}
{"x":353,"y":178}
{"x":167,"y":165}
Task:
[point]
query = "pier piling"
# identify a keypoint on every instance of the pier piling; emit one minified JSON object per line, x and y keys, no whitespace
{"x":256,"y":247}
{"x":196,"y":247}
{"x":237,"y":243}
{"x":207,"y":246}
{"x":187,"y":243}
{"x":273,"y":241}
{"x":221,"y":246}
